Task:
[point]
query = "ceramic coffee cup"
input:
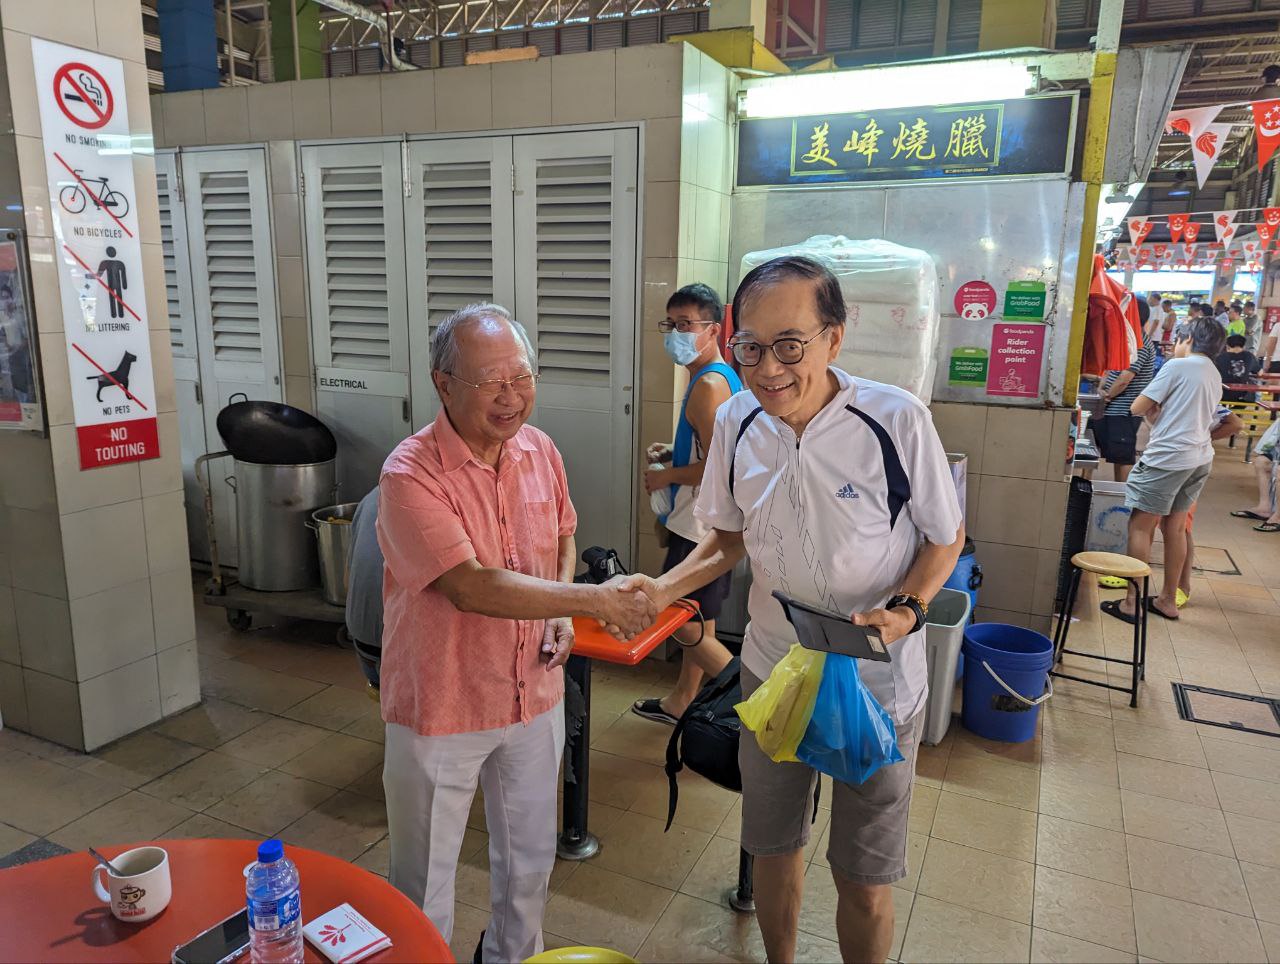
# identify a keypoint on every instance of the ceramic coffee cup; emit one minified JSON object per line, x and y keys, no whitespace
{"x":142,"y":888}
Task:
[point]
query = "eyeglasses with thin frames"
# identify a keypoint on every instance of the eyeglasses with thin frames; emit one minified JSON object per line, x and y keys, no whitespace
{"x":668,"y":325}
{"x":789,"y":351}
{"x":493,"y":387}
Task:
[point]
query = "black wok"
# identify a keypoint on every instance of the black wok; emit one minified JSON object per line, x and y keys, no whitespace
{"x":269,"y":433}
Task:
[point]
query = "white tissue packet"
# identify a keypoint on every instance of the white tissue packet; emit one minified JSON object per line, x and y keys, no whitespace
{"x":344,"y":935}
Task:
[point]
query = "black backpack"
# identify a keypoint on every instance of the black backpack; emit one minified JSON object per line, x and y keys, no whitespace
{"x":706,"y":736}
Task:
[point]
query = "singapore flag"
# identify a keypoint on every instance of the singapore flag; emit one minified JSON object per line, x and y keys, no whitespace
{"x":1266,"y":119}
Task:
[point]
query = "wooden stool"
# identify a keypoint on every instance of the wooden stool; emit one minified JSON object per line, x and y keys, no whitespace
{"x":1123,"y":567}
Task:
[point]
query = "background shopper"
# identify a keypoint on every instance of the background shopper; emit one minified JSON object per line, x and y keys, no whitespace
{"x":1180,"y":404}
{"x":691,"y":335}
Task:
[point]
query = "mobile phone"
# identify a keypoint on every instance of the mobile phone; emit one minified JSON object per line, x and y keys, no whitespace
{"x":224,"y":941}
{"x":830,"y":632}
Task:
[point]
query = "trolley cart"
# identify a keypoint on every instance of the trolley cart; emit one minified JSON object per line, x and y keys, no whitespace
{"x":239,"y":601}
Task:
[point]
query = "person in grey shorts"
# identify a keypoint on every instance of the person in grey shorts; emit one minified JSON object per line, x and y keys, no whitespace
{"x":838,"y":491}
{"x":1180,"y":404}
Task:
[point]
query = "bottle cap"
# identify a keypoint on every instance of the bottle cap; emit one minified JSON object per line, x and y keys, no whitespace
{"x":270,"y":851}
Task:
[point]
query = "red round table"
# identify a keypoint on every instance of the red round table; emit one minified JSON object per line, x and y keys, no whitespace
{"x":49,"y":912}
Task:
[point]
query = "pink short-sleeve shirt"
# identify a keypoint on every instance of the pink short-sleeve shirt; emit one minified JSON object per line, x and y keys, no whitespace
{"x":445,"y":671}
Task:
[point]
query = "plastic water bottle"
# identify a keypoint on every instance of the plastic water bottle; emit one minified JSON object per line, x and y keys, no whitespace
{"x":275,"y":907}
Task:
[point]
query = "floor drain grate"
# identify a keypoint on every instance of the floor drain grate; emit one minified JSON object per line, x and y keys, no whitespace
{"x":1232,"y":711}
{"x":1209,"y":560}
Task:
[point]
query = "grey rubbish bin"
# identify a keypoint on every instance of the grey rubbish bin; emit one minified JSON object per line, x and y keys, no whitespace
{"x":943,"y":635}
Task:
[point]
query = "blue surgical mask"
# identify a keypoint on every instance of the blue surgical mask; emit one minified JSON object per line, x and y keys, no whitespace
{"x":681,"y":346}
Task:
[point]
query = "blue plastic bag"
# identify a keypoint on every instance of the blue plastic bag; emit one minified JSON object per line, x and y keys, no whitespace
{"x":850,"y":736}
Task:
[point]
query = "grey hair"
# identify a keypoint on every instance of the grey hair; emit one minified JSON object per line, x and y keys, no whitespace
{"x":444,"y":340}
{"x":1207,"y":336}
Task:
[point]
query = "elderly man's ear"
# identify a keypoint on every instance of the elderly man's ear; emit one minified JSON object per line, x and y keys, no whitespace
{"x":442,"y":383}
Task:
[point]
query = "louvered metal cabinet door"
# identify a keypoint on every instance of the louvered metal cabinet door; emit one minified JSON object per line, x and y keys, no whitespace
{"x":575,"y":243}
{"x":233,"y":284}
{"x":182,"y":339}
{"x":353,"y":220}
{"x":458,"y":243}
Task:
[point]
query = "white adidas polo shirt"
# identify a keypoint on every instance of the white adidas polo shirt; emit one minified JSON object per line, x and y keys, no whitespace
{"x":835,"y":518}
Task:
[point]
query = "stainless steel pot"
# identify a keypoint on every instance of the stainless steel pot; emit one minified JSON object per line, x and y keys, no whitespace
{"x":332,"y":526}
{"x":273,"y":504}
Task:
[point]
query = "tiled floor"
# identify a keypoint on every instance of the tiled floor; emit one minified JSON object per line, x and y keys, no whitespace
{"x":1117,"y":833}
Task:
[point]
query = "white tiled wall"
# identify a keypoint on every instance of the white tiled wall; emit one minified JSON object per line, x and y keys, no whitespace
{"x":706,"y":182}
{"x":1017,"y":497}
{"x":78,"y":630}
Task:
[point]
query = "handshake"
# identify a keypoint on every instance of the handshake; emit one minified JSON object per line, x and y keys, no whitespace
{"x":627,"y":605}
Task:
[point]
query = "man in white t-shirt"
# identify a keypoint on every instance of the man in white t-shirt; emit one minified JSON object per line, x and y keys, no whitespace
{"x":1271,"y":350}
{"x":1180,"y":404}
{"x":838,"y":491}
{"x":1155,"y":321}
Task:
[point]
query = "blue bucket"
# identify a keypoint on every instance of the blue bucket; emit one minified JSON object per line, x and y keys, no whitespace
{"x":1020,"y":659}
{"x":966,"y":577}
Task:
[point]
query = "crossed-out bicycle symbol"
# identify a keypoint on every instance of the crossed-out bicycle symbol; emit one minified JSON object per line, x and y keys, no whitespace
{"x":75,"y":197}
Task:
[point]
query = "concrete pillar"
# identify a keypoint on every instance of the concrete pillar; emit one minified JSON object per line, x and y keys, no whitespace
{"x":1224,"y":282}
{"x":1017,"y":23}
{"x":726,"y":14}
{"x":189,"y":44}
{"x":97,"y":629}
{"x":309,"y":44}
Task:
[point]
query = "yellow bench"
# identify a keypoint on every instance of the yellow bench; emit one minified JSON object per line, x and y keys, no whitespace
{"x":1256,"y":420}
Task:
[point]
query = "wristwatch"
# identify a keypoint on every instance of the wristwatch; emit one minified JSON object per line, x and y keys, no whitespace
{"x":912,"y":602}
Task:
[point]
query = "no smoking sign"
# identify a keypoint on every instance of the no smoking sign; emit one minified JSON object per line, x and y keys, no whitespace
{"x":83,"y":96}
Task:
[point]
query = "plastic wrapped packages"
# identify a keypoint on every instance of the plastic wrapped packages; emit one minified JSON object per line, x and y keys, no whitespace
{"x":891,"y":293}
{"x":778,"y":711}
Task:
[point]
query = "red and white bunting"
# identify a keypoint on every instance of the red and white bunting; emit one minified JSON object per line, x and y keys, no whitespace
{"x":1139,"y":228}
{"x":1177,"y":224}
{"x":1191,"y":231}
{"x":1266,"y":121}
{"x":1272,"y":218}
{"x":1224,"y":225}
{"x":1205,"y":148}
{"x":1192,"y":121}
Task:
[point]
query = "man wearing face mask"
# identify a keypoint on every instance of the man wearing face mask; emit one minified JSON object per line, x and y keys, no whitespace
{"x":691,"y":335}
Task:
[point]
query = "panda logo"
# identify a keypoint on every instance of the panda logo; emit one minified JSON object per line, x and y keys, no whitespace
{"x":974,"y":311}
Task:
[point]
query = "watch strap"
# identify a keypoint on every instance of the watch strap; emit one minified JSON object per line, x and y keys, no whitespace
{"x":911,"y":602}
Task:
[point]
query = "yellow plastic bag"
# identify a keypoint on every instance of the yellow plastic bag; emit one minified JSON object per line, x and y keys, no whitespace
{"x":779,"y":711}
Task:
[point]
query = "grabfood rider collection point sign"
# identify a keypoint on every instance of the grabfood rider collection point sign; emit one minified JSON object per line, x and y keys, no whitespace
{"x":88,"y":154}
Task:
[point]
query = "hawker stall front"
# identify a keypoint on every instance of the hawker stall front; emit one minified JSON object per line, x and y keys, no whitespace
{"x":957,"y":200}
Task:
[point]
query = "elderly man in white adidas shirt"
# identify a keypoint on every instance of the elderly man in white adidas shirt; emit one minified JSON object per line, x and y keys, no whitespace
{"x":838,"y":490}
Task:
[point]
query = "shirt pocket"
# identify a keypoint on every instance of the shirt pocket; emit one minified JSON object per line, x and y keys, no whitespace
{"x":543,"y":520}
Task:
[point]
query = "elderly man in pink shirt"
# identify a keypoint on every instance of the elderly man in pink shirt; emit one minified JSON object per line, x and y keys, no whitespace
{"x":477,"y":528}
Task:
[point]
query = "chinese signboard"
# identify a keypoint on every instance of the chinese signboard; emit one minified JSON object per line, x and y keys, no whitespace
{"x":1028,"y":136}
{"x":88,"y":153}
{"x":1017,"y":355}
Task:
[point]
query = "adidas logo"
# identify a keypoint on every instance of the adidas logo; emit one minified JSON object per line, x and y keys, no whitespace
{"x":847,"y":492}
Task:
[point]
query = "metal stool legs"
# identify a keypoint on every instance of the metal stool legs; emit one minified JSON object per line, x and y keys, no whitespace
{"x":1139,"y":660}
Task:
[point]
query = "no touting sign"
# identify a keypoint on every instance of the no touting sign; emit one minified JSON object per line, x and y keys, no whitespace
{"x":84,"y":123}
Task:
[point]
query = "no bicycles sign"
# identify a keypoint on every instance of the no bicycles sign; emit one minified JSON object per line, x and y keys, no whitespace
{"x":84,"y":121}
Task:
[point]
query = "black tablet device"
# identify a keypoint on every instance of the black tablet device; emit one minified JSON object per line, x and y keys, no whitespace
{"x":830,"y":632}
